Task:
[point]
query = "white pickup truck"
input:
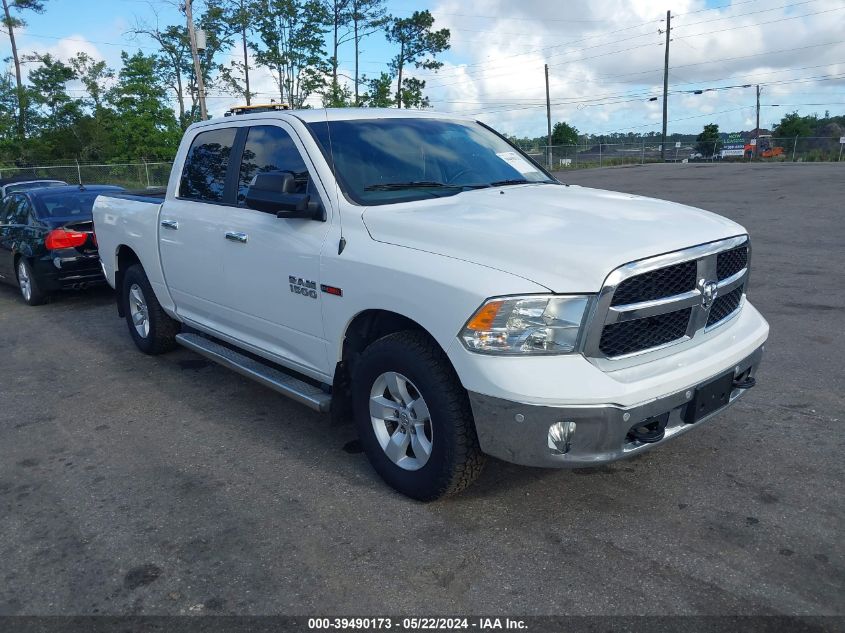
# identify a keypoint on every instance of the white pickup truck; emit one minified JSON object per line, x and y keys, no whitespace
{"x":418,"y":272}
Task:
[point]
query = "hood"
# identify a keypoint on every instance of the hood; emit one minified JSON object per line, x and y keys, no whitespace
{"x":566,"y":238}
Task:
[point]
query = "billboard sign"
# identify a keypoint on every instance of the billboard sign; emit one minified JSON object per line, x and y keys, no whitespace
{"x":734,"y":145}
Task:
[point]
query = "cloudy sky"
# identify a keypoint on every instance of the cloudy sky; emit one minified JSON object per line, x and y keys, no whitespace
{"x":605,"y":57}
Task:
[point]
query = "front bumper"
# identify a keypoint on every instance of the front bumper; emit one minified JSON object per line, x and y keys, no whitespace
{"x":519,"y":433}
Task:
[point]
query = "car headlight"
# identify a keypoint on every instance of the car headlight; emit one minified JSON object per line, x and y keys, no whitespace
{"x":541,"y":324}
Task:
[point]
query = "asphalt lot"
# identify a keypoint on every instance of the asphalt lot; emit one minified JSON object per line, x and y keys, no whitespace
{"x":169,"y":485}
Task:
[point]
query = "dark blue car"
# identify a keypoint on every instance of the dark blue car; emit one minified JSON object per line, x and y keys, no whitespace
{"x":47,"y":240}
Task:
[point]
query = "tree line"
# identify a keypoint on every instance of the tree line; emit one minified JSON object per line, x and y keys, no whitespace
{"x":140,"y":109}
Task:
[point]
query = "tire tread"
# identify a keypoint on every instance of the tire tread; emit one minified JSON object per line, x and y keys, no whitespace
{"x":466,"y":458}
{"x":163,"y":329}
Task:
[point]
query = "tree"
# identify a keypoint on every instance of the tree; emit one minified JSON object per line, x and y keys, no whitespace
{"x":339,"y":14}
{"x":291,"y":34}
{"x":94,"y":75}
{"x":412,"y":95}
{"x":48,"y":92}
{"x":418,"y":45}
{"x":145,"y":125}
{"x":564,"y":134}
{"x":177,"y":64}
{"x":337,"y":96}
{"x":708,"y":143}
{"x":368,"y":16}
{"x":12,"y":22}
{"x":239,"y":15}
{"x":9,"y":140}
{"x":379,"y":95}
{"x":792,"y":125}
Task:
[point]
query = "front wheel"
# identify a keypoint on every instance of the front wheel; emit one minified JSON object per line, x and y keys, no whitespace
{"x":152,"y":330}
{"x":413,"y":417}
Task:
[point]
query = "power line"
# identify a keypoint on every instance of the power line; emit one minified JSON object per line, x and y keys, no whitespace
{"x":747,"y":26}
{"x":725,"y":59}
{"x":739,"y":15}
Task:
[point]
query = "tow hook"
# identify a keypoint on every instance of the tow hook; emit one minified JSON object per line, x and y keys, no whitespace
{"x":744,"y":380}
{"x":650,"y":430}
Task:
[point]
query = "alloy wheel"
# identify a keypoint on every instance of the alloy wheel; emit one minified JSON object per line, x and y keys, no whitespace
{"x":401,"y":421}
{"x":24,"y":281}
{"x":138,"y":311}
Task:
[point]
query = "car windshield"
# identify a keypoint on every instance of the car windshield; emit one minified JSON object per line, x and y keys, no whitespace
{"x":67,"y":205}
{"x":36,"y":184}
{"x":382,"y":161}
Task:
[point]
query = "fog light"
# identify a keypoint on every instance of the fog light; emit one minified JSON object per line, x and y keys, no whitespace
{"x":560,"y":436}
{"x":57,"y":262}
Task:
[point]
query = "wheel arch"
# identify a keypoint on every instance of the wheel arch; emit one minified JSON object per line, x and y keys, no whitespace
{"x":372,"y":324}
{"x":363,"y":329}
{"x":124,"y":258}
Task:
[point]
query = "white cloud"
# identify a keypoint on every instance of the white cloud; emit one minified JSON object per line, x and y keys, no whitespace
{"x":606,"y":56}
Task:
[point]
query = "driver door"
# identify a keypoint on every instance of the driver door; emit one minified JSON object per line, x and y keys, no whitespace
{"x":270,"y":297}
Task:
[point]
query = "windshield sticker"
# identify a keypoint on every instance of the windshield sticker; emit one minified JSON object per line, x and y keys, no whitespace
{"x":517,"y":162}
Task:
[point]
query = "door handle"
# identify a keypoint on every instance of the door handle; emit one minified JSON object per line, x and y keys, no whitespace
{"x":233,"y":236}
{"x":170,"y":224}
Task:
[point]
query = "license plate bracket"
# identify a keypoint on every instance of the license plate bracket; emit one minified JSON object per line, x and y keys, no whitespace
{"x":710,"y":397}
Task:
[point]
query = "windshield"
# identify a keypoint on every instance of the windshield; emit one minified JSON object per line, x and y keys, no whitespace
{"x":382,"y":161}
{"x":68,"y":205}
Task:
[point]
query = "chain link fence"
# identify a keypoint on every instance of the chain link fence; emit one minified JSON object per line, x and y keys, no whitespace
{"x":797,"y":149}
{"x":140,"y":175}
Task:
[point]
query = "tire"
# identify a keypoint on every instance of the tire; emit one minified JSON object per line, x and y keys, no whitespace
{"x":152,"y":330}
{"x":442,"y":424}
{"x":31,"y":291}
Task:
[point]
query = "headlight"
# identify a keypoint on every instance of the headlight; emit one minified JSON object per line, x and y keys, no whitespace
{"x":542,"y":324}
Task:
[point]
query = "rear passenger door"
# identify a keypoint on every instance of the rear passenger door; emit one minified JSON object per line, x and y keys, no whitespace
{"x":13,"y":233}
{"x":272,"y":293}
{"x":192,"y":226}
{"x":7,"y":215}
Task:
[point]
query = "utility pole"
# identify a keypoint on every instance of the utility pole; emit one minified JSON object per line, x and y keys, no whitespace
{"x":246,"y":56}
{"x":666,"y":86}
{"x":757,"y":133}
{"x":548,"y":121}
{"x":192,"y":36}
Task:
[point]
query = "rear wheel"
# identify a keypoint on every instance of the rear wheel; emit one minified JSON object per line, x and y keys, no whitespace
{"x":413,"y":417}
{"x":31,"y":291}
{"x":152,"y":330}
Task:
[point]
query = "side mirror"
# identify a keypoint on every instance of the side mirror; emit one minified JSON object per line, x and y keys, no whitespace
{"x":272,"y":192}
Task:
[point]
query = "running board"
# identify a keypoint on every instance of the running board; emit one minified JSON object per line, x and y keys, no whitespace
{"x":299,"y":390}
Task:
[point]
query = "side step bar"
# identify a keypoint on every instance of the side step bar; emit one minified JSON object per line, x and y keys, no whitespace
{"x":277,"y":380}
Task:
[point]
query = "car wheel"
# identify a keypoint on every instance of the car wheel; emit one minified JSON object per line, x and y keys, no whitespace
{"x":152,"y":330}
{"x":28,"y":283}
{"x":413,"y":417}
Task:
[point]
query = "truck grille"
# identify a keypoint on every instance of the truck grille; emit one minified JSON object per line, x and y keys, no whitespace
{"x":670,"y":298}
{"x":731,"y":262}
{"x":619,"y":339}
{"x":724,"y":306}
{"x":656,"y":284}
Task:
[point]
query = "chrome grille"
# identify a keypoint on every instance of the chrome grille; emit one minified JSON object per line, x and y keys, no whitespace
{"x":655,"y":303}
{"x":656,"y":284}
{"x":730,"y":262}
{"x":618,"y":339}
{"x":724,"y":305}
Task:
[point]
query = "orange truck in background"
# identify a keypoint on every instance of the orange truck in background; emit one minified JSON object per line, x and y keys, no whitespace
{"x":765,"y":148}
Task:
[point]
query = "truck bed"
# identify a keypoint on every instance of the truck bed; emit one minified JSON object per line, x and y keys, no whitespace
{"x":126,"y":224}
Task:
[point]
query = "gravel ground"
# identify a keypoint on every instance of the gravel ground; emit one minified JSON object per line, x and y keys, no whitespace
{"x":137,"y":485}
